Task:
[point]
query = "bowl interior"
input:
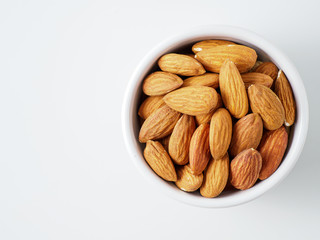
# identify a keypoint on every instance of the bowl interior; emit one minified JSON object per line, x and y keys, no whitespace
{"x":265,"y":52}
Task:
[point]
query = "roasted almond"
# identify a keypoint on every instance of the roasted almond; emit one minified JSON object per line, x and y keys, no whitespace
{"x":213,"y":58}
{"x":205,"y":118}
{"x":199,"y":152}
{"x":259,"y":78}
{"x":192,"y":100}
{"x":179,"y":142}
{"x":149,"y":105}
{"x":159,"y":83}
{"x":215,"y":177}
{"x":180,"y":64}
{"x":207,"y":79}
{"x":233,"y":91}
{"x":245,"y":169}
{"x":268,"y":68}
{"x":159,"y":160}
{"x":159,"y":124}
{"x":247,"y":133}
{"x":187,"y":181}
{"x":272,"y":148}
{"x":265,"y":102}
{"x":220,"y":133}
{"x":207,"y":44}
{"x":283,"y":89}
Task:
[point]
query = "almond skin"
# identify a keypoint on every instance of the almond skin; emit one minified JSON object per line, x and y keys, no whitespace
{"x":159,"y":83}
{"x":159,"y":124}
{"x":205,"y":118}
{"x":149,"y":105}
{"x":268,"y":68}
{"x":199,"y":152}
{"x":165,"y":142}
{"x":283,"y":90}
{"x":247,"y":133}
{"x":213,"y":58}
{"x":215,"y":177}
{"x":180,"y":64}
{"x":179,"y":142}
{"x":193,"y":100}
{"x":245,"y":169}
{"x":259,"y":78}
{"x":272,"y":148}
{"x":206,"y":44}
{"x":187,"y":181}
{"x":265,"y":102}
{"x":233,"y":91}
{"x":207,"y":79}
{"x":159,"y":160}
{"x":220,"y":133}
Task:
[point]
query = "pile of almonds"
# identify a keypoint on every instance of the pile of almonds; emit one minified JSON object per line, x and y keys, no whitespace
{"x":216,"y":119}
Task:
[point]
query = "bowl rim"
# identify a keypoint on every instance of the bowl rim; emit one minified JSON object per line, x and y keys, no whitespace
{"x":222,"y":32}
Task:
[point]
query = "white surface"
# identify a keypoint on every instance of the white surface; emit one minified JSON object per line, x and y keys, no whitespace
{"x":268,"y":52}
{"x":64,"y":171}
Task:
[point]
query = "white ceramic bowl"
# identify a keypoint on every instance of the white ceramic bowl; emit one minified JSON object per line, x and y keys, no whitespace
{"x":266,"y":51}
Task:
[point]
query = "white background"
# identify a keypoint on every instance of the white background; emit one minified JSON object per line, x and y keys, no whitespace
{"x":64,"y":170}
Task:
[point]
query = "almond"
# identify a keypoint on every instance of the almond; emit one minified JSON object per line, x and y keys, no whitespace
{"x":220,"y":133}
{"x":206,"y":44}
{"x":187,"y":181}
{"x":245,"y":169}
{"x":159,"y":124}
{"x":179,"y":142}
{"x":265,"y":102}
{"x":180,"y":64}
{"x":272,"y":148}
{"x":159,"y":83}
{"x":199,"y":152}
{"x":283,"y":89}
{"x":268,"y":68}
{"x":165,"y":142}
{"x":213,"y":58}
{"x":215,"y":177}
{"x":259,"y":78}
{"x":159,"y":160}
{"x":233,"y":91}
{"x":193,"y":100}
{"x":247,"y":133}
{"x":207,"y":79}
{"x":205,"y":118}
{"x":149,"y":105}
